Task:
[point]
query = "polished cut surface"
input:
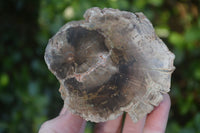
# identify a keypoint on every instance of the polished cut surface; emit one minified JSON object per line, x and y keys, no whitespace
{"x":111,"y":62}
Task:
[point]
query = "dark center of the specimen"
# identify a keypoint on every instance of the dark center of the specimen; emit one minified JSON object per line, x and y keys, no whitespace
{"x":93,"y":65}
{"x":95,"y":75}
{"x":87,"y":44}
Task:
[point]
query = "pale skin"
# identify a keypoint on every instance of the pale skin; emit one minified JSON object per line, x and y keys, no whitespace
{"x":155,"y":122}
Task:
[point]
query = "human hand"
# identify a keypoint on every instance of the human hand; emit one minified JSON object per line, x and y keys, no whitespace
{"x":155,"y":122}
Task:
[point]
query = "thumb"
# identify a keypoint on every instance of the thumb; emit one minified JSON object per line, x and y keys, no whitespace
{"x":64,"y":123}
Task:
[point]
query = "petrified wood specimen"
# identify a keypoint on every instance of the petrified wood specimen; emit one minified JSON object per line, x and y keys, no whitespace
{"x":111,"y":62}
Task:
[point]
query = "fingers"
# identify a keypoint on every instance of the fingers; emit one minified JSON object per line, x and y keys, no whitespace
{"x":131,"y":127}
{"x":157,"y":120}
{"x":112,"y":126}
{"x":64,"y":123}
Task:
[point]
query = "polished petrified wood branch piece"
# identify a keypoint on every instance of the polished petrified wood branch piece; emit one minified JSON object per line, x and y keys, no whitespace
{"x":111,"y":62}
